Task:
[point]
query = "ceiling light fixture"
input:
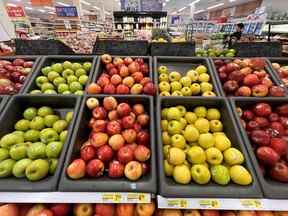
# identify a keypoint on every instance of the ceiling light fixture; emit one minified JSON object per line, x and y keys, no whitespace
{"x":63,"y":4}
{"x":85,"y":2}
{"x":232,"y":0}
{"x":182,"y":9}
{"x":106,"y":12}
{"x":199,"y":11}
{"x":51,"y":12}
{"x":95,"y":7}
{"x":49,"y":8}
{"x":215,"y":6}
{"x":167,"y":0}
{"x":11,"y":5}
{"x":194,"y":2}
{"x":42,"y":11}
{"x":28,"y":8}
{"x":164,"y":4}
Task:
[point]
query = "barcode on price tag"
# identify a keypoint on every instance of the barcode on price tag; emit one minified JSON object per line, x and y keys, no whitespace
{"x":209,"y":203}
{"x":251,"y":204}
{"x":177,"y":203}
{"x":112,"y":197}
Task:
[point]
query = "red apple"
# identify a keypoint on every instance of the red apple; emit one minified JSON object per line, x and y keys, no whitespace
{"x":133,"y":146}
{"x":284,"y":121}
{"x":98,"y":139}
{"x":125,"y":155}
{"x":18,"y":62}
{"x":118,"y":61}
{"x":116,"y":169}
{"x":273,"y":117}
{"x":142,"y":153}
{"x":104,"y":209}
{"x":95,"y":168}
{"x":267,"y":81}
{"x":116,"y":79}
{"x":137,"y":76}
{"x":260,"y":90}
{"x":105,"y":153}
{"x":277,"y":91}
{"x":109,"y":66}
{"x":282,"y":110}
{"x":109,"y":89}
{"x":267,"y":155}
{"x":123,"y":109}
{"x":106,"y":59}
{"x":116,"y":142}
{"x":113,"y":127}
{"x":279,"y":172}
{"x":258,"y":63}
{"x":113,"y":115}
{"x":262,"y":109}
{"x":252,"y":125}
{"x":248,"y":115}
{"x":122,"y":89}
{"x":230,"y":86}
{"x":129,"y":135}
{"x":133,"y":170}
{"x":87,"y":152}
{"x":123,"y":71}
{"x":28,"y":64}
{"x":262,"y":122}
{"x":230,"y":67}
{"x":60,"y":209}
{"x":76,"y":169}
{"x":278,"y":129}
{"x":145,"y":168}
{"x":251,"y":80}
{"x":261,"y":74}
{"x":128,"y":121}
{"x":110,"y":103}
{"x":9,"y":210}
{"x":103,"y":81}
{"x":128,"y":60}
{"x":143,"y":119}
{"x":143,"y":138}
{"x":260,"y":137}
{"x":279,"y":145}
{"x":149,"y":88}
{"x":236,"y":75}
{"x":99,"y":126}
{"x":133,"y":67}
{"x":128,"y":81}
{"x":138,"y":109}
{"x":94,"y":88}
{"x":113,"y":71}
{"x":145,"y":80}
{"x":99,"y":113}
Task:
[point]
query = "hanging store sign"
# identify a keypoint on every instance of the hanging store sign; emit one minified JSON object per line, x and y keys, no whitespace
{"x":41,"y":2}
{"x":70,"y":11}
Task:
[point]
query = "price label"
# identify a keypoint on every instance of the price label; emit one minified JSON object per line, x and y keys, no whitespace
{"x":251,"y":204}
{"x":209,"y":203}
{"x":112,"y":197}
{"x":177,"y":203}
{"x":138,"y":197}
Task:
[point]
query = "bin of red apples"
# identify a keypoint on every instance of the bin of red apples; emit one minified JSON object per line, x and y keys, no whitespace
{"x":127,"y":75}
{"x":265,"y":129}
{"x":13,"y":73}
{"x":114,"y":143}
{"x":280,"y":66}
{"x":247,"y":77}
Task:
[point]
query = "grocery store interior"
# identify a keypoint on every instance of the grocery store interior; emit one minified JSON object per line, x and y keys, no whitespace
{"x":143,"y":108}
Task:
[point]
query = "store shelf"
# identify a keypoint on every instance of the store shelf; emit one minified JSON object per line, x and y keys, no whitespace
{"x":223,"y":204}
{"x":73,"y":197}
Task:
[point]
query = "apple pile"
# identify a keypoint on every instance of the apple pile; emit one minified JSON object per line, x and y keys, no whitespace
{"x":13,"y":75}
{"x":282,"y":72}
{"x":33,"y":149}
{"x":195,"y":82}
{"x":119,"y":141}
{"x":267,"y":129}
{"x":247,"y":78}
{"x":123,"y":76}
{"x":196,"y":148}
{"x":63,"y":78}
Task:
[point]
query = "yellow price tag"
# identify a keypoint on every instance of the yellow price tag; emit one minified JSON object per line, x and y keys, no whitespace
{"x":178,"y":203}
{"x":251,"y":204}
{"x":209,"y":203}
{"x":112,"y":197}
{"x":137,"y":197}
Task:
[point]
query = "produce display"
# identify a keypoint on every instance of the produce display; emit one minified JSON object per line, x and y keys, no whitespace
{"x":13,"y":74}
{"x":247,"y":77}
{"x":123,"y":76}
{"x":119,"y":142}
{"x":63,"y":78}
{"x":197,"y":150}
{"x":266,"y":125}
{"x":195,"y":82}
{"x":282,"y":72}
{"x":214,"y":52}
{"x":32,"y":150}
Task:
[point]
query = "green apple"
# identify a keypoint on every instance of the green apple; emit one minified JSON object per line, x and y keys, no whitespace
{"x":222,"y":142}
{"x":164,"y":94}
{"x":20,"y":167}
{"x":75,"y":86}
{"x":18,"y":151}
{"x":163,"y":77}
{"x":191,"y":134}
{"x":177,"y":93}
{"x":163,"y":69}
{"x":36,"y":150}
{"x":164,"y":113}
{"x":60,"y":125}
{"x":37,"y":123}
{"x":178,"y":141}
{"x":233,"y":156}
{"x":200,"y":174}
{"x":53,"y":163}
{"x":175,"y":86}
{"x":220,"y":174}
{"x":67,"y":72}
{"x":164,"y":86}
{"x":216,"y":126}
{"x":213,"y":156}
{"x":168,"y":168}
{"x":87,"y":66}
{"x":67,"y":65}
{"x":164,"y":125}
{"x":80,"y":72}
{"x":72,"y":78}
{"x":166,"y":151}
{"x":79,"y":92}
{"x":193,"y":75}
{"x":47,"y":86}
{"x":181,"y":174}
{"x":50,"y":91}
{"x":173,"y":113}
{"x":206,"y":140}
{"x":4,"y":154}
{"x":37,"y":170}
{"x":30,"y":113}
{"x":166,"y":139}
{"x":200,"y":111}
{"x":19,"y":133}
{"x":174,"y":76}
{"x":240,"y":175}
{"x":22,"y":125}
{"x":63,"y":136}
{"x":83,"y":79}
{"x":54,"y":149}
{"x":201,"y":69}
{"x":11,"y":139}
{"x":195,"y":88}
{"x":58,"y":80}
{"x":76,"y":66}
{"x":206,"y":87}
{"x":174,"y":127}
{"x":36,"y":91}
{"x":186,"y":91}
{"x":196,"y":155}
{"x":186,"y":81}
{"x":57,"y":67}
{"x":202,"y":124}
{"x":44,"y":111}
{"x":69,"y":116}
{"x":190,"y":117}
{"x":213,"y":114}
{"x":6,"y":167}
{"x":49,"y":120}
{"x":176,"y":156}
{"x":40,"y":80}
{"x":31,"y":135}
{"x":48,"y":135}
{"x":46,"y":70}
{"x":204,"y":77}
{"x":62,"y":88}
{"x":182,"y":110}
{"x":67,"y":92}
{"x":52,"y":75}
{"x":183,"y":123}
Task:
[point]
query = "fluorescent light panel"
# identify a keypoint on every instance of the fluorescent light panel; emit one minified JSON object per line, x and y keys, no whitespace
{"x":11,"y":5}
{"x":198,"y":11}
{"x":182,"y":9}
{"x":28,"y":8}
{"x":42,"y":11}
{"x":63,"y":4}
{"x":194,"y":2}
{"x":164,"y":4}
{"x":49,"y":8}
{"x":85,"y":2}
{"x":95,"y":7}
{"x":215,"y":6}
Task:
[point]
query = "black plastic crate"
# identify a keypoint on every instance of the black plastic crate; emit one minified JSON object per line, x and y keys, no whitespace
{"x":105,"y":184}
{"x":282,"y":61}
{"x":271,"y":189}
{"x":276,"y":81}
{"x":169,"y":188}
{"x":184,"y":64}
{"x":13,"y":112}
{"x":36,"y":60}
{"x":3,"y":102}
{"x":172,"y":49}
{"x":48,"y":60}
